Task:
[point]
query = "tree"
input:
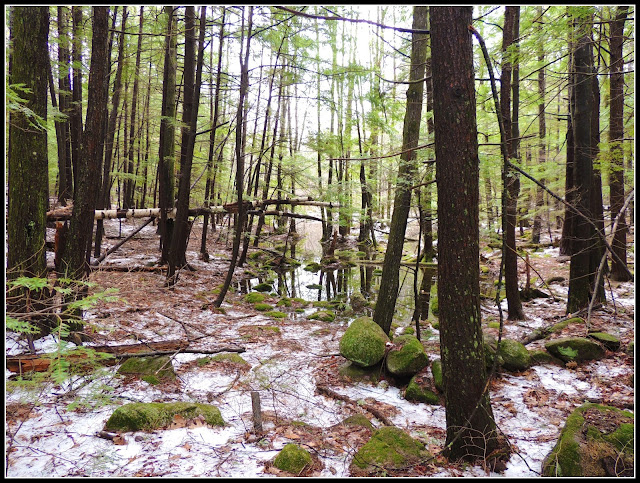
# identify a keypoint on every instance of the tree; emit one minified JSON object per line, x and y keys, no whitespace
{"x":616,"y":135}
{"x":471,"y":429}
{"x":75,"y":257}
{"x":582,"y":104}
{"x":385,"y":306}
{"x":511,"y":180}
{"x":28,"y":182}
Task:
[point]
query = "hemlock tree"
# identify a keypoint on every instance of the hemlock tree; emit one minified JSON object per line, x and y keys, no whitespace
{"x":385,"y":306}
{"x":28,"y":182}
{"x":471,"y":429}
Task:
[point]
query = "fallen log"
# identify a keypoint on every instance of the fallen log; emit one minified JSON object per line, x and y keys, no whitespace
{"x":41,"y":362}
{"x":373,"y":410}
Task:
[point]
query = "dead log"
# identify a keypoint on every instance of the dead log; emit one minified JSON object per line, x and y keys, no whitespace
{"x":41,"y":362}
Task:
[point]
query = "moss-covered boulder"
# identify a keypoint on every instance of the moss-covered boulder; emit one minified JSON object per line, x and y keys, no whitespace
{"x":388,"y":448}
{"x":421,"y":389}
{"x":490,"y":350}
{"x":254,"y":297}
{"x":262,"y":307}
{"x":610,"y":342}
{"x":364,"y":342}
{"x":150,"y":416}
{"x":575,"y":349}
{"x":263,"y":287}
{"x":407,"y":357}
{"x":436,"y":372}
{"x":543,"y":357}
{"x":153,"y":370}
{"x":323,"y":316}
{"x":515,"y":356}
{"x":596,"y":441}
{"x":358,"y":420}
{"x":293,"y":459}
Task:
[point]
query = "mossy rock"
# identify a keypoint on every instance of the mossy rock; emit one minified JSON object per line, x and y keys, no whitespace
{"x":353,"y":372}
{"x":276,"y":314}
{"x":323,"y":316}
{"x":611,"y":342}
{"x":313,"y":267}
{"x":293,"y":459}
{"x":358,"y":302}
{"x":389,"y":448}
{"x":284,"y":302}
{"x":596,"y":441}
{"x":226,"y":358}
{"x":575,"y":349}
{"x":490,"y":350}
{"x":420,"y":389}
{"x":363,"y":342}
{"x":358,"y":420}
{"x":436,"y":372}
{"x":408,"y":358}
{"x":262,"y":307}
{"x":263,"y":287}
{"x":254,"y":297}
{"x":152,"y":370}
{"x":515,"y":356}
{"x":565,"y":323}
{"x":150,"y":416}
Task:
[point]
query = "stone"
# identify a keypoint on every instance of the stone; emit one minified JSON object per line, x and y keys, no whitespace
{"x":515,"y":356}
{"x":293,"y":459}
{"x":153,"y":369}
{"x":388,"y":448}
{"x":323,"y":316}
{"x":353,"y":372}
{"x":364,"y":342}
{"x":407,"y":357}
{"x":358,"y":420}
{"x":150,"y":416}
{"x":611,"y":342}
{"x":596,"y":441}
{"x":421,"y":389}
{"x":436,"y":372}
{"x":575,"y":349}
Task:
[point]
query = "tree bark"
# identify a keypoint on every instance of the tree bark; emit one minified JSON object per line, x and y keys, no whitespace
{"x":385,"y":305}
{"x":471,"y":429}
{"x":616,"y":135}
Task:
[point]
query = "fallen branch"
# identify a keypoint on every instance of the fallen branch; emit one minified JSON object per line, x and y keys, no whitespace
{"x":376,"y":412}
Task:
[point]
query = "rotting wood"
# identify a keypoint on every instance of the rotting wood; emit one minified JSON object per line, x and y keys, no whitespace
{"x":373,"y":410}
{"x":41,"y":362}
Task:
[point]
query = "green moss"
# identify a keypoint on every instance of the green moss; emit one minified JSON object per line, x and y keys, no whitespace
{"x":408,"y":357}
{"x":293,"y":459}
{"x":262,"y":307}
{"x":353,"y":372}
{"x":152,"y":370}
{"x":611,"y":342}
{"x":389,"y":448}
{"x":433,"y":303}
{"x":358,"y":420}
{"x":232,"y":357}
{"x":263,"y":287}
{"x":515,"y":355}
{"x":254,"y":297}
{"x":276,"y":314}
{"x":436,"y":371}
{"x":584,"y":349}
{"x":415,"y":392}
{"x":313,"y":267}
{"x":284,"y":302}
{"x":565,"y":323}
{"x":150,"y":416}
{"x":323,"y":315}
{"x":363,"y":342}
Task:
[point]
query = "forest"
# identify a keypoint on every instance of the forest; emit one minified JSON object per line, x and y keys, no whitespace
{"x":322,"y":241}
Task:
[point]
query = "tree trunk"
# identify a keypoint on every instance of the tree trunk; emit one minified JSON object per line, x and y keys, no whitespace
{"x":579,"y":286}
{"x":542,"y":128}
{"x":512,"y":180}
{"x":75,"y":116}
{"x":385,"y":305}
{"x":166,"y":157}
{"x":471,"y":429}
{"x":616,"y":135}
{"x":240,"y":133}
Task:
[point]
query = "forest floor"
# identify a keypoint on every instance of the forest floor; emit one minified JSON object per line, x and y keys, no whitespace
{"x":51,"y":428}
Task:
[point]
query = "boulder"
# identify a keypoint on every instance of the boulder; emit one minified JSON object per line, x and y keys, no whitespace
{"x":596,"y":441}
{"x":293,"y":459}
{"x":610,"y":342}
{"x":388,"y":448}
{"x":353,"y":372}
{"x":150,"y":416}
{"x":153,"y":369}
{"x":407,"y":356}
{"x":575,"y":349}
{"x":358,"y":420}
{"x":364,"y":342}
{"x":421,"y":389}
{"x":436,"y":372}
{"x":515,"y":356}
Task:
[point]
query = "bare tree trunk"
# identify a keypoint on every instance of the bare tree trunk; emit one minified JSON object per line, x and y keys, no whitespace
{"x":385,"y":305}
